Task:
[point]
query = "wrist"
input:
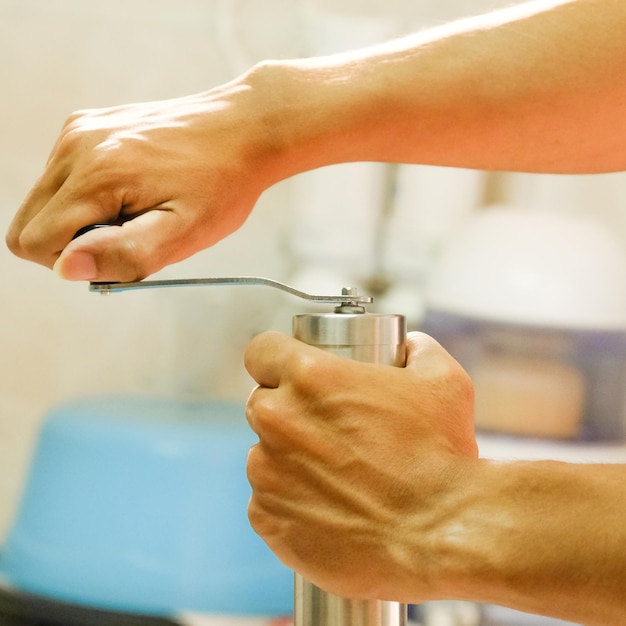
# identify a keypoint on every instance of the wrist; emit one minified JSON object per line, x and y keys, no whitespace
{"x":471,"y":534}
{"x":313,"y":113}
{"x":498,"y":537}
{"x":521,"y":534}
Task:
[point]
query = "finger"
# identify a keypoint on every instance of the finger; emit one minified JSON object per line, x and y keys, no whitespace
{"x":423,"y":350}
{"x":267,"y":357}
{"x":23,"y":237}
{"x":97,"y":188}
{"x":38,"y":239}
{"x":277,"y":419}
{"x":449,"y":385}
{"x":43,"y":241}
{"x":431,"y":362}
{"x":52,"y":213}
{"x":258,"y":404}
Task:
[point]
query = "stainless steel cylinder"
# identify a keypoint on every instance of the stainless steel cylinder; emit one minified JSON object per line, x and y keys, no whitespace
{"x":360,"y":336}
{"x":371,"y":338}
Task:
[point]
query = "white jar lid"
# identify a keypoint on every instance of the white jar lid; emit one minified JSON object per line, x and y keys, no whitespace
{"x":532,"y":267}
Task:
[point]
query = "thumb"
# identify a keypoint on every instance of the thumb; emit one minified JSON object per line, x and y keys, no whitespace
{"x":430,"y":361}
{"x":124,"y":253}
{"x":422,"y":348}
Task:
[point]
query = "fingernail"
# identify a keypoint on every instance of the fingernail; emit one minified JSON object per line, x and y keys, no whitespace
{"x":79,"y":265}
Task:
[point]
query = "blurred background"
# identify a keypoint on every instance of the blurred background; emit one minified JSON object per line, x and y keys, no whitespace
{"x":380,"y":227}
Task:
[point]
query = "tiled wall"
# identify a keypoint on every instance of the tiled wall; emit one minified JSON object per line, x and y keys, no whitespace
{"x":58,"y":341}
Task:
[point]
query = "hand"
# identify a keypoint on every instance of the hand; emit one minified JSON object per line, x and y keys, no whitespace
{"x":354,"y":462}
{"x":177,"y":175}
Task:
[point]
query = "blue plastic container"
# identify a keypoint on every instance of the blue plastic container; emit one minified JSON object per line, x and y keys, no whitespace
{"x":140,"y":505}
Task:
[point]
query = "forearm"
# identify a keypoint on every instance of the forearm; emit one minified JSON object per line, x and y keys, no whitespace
{"x":542,"y":537}
{"x":539,"y":87}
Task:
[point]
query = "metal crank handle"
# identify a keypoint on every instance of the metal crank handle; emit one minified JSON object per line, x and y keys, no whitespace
{"x":348,"y":295}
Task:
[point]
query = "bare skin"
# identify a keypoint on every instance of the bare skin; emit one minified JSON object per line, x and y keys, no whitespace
{"x":386,"y":494}
{"x":509,"y":91}
{"x":149,"y":167}
{"x":386,"y":498}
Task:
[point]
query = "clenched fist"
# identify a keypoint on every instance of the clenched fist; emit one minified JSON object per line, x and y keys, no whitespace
{"x":356,"y":461}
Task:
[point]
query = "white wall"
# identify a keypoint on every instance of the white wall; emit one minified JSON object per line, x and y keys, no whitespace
{"x":58,"y":341}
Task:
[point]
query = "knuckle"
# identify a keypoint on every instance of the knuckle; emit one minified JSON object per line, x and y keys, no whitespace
{"x":81,"y":120}
{"x":309,"y":371}
{"x":79,"y":136}
{"x":27,"y":244}
{"x":250,"y":354}
{"x":69,"y":141}
{"x":254,"y":516}
{"x":77,"y":115}
{"x":252,"y":464}
{"x":257,"y":516}
{"x":257,"y":466}
{"x":263,"y":474}
{"x":277,"y":422}
{"x":12,"y":240}
{"x":262,"y":414}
